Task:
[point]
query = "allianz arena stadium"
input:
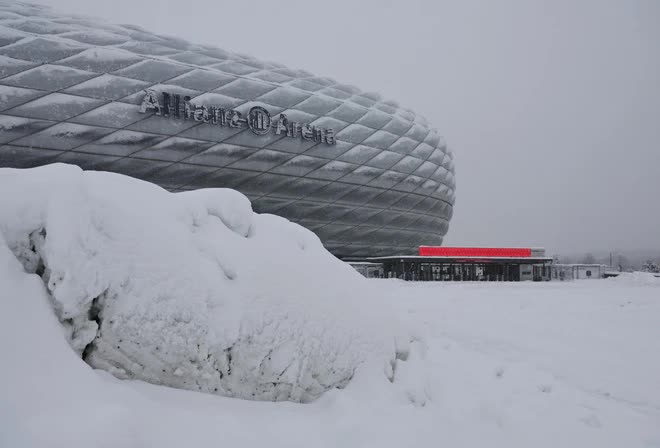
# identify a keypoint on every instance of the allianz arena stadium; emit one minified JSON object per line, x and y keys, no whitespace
{"x":369,"y":177}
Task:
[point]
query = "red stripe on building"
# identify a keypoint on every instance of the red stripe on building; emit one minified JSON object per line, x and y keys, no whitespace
{"x":438,"y":251}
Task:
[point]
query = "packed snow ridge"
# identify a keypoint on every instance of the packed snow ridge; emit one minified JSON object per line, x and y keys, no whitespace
{"x":193,"y":290}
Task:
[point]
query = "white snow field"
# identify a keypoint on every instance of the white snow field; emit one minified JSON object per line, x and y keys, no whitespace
{"x":194,"y":291}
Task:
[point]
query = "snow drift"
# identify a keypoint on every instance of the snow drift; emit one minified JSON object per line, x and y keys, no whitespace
{"x":636,"y":278}
{"x":192,"y":290}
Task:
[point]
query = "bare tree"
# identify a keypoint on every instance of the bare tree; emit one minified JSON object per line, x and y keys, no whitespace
{"x":650,"y":266}
{"x":624,"y":263}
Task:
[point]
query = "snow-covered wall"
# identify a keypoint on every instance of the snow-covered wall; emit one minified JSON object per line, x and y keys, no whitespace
{"x":192,"y":290}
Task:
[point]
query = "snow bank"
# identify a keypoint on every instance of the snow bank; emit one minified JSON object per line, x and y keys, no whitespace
{"x":192,"y":290}
{"x":636,"y":278}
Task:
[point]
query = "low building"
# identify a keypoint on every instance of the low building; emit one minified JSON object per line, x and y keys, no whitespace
{"x":580,"y":271}
{"x":467,"y":264}
{"x":368,"y":269}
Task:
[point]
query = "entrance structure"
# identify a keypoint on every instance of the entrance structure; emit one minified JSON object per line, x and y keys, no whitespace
{"x":469,"y":264}
{"x":581,"y":271}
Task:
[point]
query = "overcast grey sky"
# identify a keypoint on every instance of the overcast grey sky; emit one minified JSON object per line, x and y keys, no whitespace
{"x":552,"y":108}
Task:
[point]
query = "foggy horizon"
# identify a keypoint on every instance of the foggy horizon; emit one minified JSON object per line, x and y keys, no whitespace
{"x":552,"y":109}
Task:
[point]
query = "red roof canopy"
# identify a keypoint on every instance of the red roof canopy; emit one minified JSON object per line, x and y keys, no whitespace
{"x":441,"y":251}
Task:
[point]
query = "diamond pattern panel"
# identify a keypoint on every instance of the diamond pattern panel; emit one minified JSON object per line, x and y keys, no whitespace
{"x":70,"y":90}
{"x":22,"y":157}
{"x":101,"y":60}
{"x":48,"y":77}
{"x":63,"y":136}
{"x":9,"y":66}
{"x":13,"y":128}
{"x":107,"y":87}
{"x":56,"y":106}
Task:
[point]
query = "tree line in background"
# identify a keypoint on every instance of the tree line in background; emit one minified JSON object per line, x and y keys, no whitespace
{"x":619,"y":261}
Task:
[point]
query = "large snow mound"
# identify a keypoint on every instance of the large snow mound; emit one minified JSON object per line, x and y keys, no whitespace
{"x":193,"y":290}
{"x":636,"y":278}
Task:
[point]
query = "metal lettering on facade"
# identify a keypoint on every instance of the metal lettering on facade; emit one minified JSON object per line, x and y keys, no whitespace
{"x":258,"y":119}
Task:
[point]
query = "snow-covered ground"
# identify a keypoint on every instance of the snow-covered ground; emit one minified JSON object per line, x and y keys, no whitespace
{"x":482,"y":364}
{"x":543,"y":364}
{"x":507,"y":365}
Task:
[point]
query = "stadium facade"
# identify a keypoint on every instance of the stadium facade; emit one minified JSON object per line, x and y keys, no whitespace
{"x":369,"y":177}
